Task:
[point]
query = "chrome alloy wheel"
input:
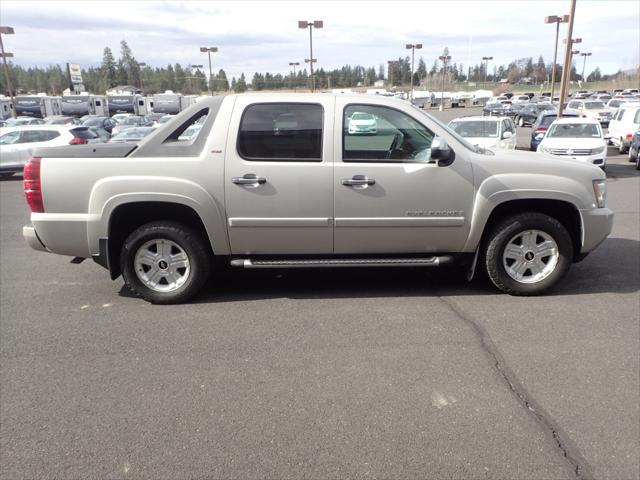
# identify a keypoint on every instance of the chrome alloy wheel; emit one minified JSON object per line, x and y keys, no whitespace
{"x":162,"y":265}
{"x":530,"y":256}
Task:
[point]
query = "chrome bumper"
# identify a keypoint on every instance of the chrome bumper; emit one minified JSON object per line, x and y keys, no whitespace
{"x":31,"y":237}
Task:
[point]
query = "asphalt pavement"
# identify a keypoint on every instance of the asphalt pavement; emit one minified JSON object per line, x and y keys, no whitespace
{"x":322,"y":374}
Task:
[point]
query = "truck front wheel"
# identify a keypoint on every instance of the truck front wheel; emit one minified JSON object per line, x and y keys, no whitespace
{"x":165,"y":262}
{"x":528,"y":253}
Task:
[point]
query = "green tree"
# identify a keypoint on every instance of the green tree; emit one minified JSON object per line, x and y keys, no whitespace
{"x":241,"y":84}
{"x":108,"y":67}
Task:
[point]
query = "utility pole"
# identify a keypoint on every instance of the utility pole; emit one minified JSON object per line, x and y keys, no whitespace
{"x":209,"y":51}
{"x":294,"y":65}
{"x":584,"y":63}
{"x":5,"y":55}
{"x":412,"y":47}
{"x":557,"y":19}
{"x":310,"y":25}
{"x":566,"y":69}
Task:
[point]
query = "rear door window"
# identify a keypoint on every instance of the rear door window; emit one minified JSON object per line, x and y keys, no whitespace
{"x":281,"y":132}
{"x":10,"y":138}
{"x":33,"y":136}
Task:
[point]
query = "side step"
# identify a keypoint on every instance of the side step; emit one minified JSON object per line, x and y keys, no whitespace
{"x":434,"y":261}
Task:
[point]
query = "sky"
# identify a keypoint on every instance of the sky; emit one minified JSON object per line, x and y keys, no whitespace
{"x":264,"y":36}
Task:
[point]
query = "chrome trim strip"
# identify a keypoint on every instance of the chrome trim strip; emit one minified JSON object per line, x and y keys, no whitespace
{"x":400,"y":222}
{"x":279,"y":222}
{"x":434,"y":261}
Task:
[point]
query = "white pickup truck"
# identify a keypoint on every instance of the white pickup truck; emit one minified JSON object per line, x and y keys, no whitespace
{"x":278,"y":181}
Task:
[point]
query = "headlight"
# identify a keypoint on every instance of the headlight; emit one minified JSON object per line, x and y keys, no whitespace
{"x":600,"y":192}
{"x":598,"y":151}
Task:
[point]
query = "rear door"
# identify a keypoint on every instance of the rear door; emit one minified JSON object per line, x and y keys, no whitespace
{"x":389,"y":196}
{"x":278,"y":176}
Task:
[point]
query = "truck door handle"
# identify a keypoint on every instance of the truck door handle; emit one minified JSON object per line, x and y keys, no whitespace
{"x":249,"y":180}
{"x":358,"y":181}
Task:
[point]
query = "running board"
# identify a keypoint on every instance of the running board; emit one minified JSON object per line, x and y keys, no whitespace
{"x":344,"y":262}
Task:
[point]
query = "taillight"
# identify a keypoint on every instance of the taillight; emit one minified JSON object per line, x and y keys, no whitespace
{"x":32,"y":186}
{"x":629,"y":136}
{"x":78,"y":141}
{"x":540,"y":129}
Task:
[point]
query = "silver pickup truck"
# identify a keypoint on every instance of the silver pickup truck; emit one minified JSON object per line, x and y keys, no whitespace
{"x":297,"y":180}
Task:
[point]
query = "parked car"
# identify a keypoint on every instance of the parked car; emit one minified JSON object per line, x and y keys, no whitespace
{"x":61,"y":120}
{"x":131,"y":135}
{"x":613,"y":104}
{"x":495,"y":108}
{"x":414,"y":194}
{"x":486,"y":132}
{"x":22,"y":121}
{"x":634,"y":149}
{"x":591,"y":108}
{"x":121,"y":116}
{"x":18,"y":143}
{"x":520,"y":99}
{"x":163,"y":119}
{"x":577,"y":138}
{"x":362,"y":123}
{"x":514,"y":109}
{"x":130,"y":122}
{"x":602,"y":97}
{"x":625,"y":121}
{"x":105,"y":123}
{"x":530,"y":113}
{"x":102,"y":134}
{"x":541,"y":125}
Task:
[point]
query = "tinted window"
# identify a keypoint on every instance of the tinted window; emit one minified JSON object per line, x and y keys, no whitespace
{"x":475,"y":128}
{"x":82,"y":133}
{"x":621,"y":114}
{"x":388,"y":135}
{"x":32,"y":136}
{"x":281,"y":132}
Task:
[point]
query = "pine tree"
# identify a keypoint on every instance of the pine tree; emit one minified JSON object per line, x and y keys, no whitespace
{"x":108,"y":67}
{"x":241,"y":85}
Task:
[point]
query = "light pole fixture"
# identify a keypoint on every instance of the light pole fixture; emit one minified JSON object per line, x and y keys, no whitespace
{"x":445,"y":59}
{"x":486,"y":68}
{"x":557,"y":19}
{"x":209,"y":51}
{"x":5,"y":55}
{"x":294,"y":65}
{"x":311,"y":25}
{"x":412,"y":47}
{"x":584,"y":63}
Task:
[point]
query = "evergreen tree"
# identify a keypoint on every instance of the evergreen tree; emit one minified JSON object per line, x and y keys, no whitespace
{"x":108,"y":67}
{"x":241,"y":85}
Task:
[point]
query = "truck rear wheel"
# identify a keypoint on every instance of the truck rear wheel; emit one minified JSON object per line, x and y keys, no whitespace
{"x":528,"y":253}
{"x":165,"y":262}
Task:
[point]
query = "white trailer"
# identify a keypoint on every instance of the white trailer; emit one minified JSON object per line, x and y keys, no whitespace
{"x":168,"y":102}
{"x":6,"y":108}
{"x":39,"y":106}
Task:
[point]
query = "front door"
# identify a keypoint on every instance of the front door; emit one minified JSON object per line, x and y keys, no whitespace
{"x":278,"y":176}
{"x":389,"y":196}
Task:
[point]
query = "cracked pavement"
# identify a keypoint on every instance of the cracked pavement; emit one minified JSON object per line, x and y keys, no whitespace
{"x":376,"y":373}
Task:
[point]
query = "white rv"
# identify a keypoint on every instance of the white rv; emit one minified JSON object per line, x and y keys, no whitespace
{"x":79,"y":105}
{"x":39,"y":106}
{"x":6,"y":108}
{"x":168,"y":102}
{"x":126,"y":104}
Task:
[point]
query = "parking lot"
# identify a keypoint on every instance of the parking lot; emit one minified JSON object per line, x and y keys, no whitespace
{"x":380,"y":373}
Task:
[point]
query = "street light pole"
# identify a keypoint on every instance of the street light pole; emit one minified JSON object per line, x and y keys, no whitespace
{"x":209,"y":50}
{"x":310,"y":25}
{"x":191,"y":67}
{"x":294,"y":65}
{"x":584,"y":63}
{"x":557,"y":19}
{"x":444,"y":59}
{"x":486,"y":68}
{"x":7,"y":31}
{"x":140,"y":66}
{"x":412,"y":47}
{"x":567,"y":59}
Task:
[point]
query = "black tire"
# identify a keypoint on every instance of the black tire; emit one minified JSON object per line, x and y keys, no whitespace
{"x":189,"y":241}
{"x":504,"y":231}
{"x":638,"y":161}
{"x":621,"y":148}
{"x":631,"y":155}
{"x":520,"y":122}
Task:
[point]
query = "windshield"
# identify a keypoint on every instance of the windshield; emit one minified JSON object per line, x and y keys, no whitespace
{"x":615,"y":103}
{"x":453,"y":133}
{"x":546,"y":107}
{"x":165,"y":119}
{"x":130,"y":121}
{"x":593,"y":105}
{"x":475,"y":129}
{"x":361,"y":116}
{"x":93,"y":122}
{"x":574,"y":130}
